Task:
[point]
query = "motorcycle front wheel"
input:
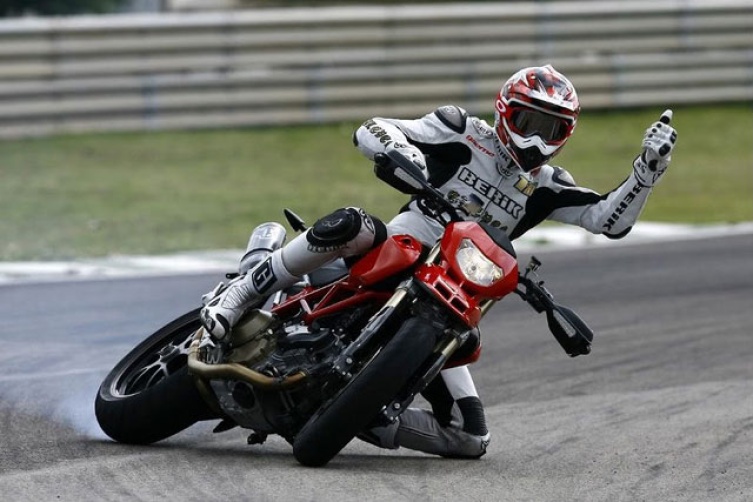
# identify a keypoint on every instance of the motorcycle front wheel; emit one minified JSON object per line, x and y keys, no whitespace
{"x":149,"y":395}
{"x":361,"y":400}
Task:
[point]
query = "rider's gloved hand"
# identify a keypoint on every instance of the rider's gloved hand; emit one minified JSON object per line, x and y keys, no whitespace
{"x":658,"y":143}
{"x":412,"y":153}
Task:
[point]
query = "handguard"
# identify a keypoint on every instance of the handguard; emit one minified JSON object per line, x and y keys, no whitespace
{"x":399,"y":172}
{"x":568,"y":328}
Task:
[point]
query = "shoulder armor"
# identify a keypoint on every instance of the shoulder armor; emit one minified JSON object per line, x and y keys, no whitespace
{"x":562,"y":177}
{"x":453,"y":117}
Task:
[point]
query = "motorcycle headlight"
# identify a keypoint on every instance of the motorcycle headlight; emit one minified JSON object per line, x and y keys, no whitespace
{"x":476,"y":267}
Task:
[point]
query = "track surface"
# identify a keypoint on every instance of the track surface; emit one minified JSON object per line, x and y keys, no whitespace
{"x":661,"y":410}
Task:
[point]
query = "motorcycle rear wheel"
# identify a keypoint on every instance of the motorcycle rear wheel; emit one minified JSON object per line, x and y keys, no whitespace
{"x":359,"y":402}
{"x":149,"y":395}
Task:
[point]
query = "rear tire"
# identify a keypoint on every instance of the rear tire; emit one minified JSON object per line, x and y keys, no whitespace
{"x":149,"y":395}
{"x":359,"y":402}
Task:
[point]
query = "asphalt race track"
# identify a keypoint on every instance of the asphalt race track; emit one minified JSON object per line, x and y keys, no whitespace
{"x":662,"y":410}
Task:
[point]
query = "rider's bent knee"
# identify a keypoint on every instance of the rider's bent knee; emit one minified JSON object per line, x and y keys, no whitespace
{"x":348,"y":230}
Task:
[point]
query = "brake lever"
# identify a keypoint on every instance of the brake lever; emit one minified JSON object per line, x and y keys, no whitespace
{"x":535,"y":294}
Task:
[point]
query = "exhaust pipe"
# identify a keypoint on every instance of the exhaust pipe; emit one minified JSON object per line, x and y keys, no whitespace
{"x":235,"y":371}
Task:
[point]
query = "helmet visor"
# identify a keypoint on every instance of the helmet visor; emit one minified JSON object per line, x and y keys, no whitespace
{"x":528,"y":122}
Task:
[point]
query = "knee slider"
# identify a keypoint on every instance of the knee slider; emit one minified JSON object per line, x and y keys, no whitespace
{"x":338,"y":229}
{"x":335,"y":230}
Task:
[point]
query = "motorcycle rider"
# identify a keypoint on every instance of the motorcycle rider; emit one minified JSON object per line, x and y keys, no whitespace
{"x":499,"y":175}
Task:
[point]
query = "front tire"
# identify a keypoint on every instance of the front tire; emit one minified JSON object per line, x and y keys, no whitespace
{"x":149,"y":395}
{"x":359,"y":402}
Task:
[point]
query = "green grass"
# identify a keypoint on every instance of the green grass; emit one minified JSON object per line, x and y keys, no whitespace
{"x":93,"y":195}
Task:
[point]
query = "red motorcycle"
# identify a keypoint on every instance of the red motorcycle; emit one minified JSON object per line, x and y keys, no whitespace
{"x":343,"y":350}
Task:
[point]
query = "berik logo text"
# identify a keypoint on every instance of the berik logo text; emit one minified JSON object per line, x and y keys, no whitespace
{"x":491,"y":192}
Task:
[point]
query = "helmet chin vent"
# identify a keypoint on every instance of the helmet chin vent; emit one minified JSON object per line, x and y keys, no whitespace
{"x":530,"y":158}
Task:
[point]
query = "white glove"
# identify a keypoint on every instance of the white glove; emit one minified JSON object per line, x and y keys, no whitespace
{"x":658,"y":143}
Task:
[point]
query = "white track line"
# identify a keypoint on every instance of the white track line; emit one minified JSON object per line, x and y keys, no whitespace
{"x":199,"y":262}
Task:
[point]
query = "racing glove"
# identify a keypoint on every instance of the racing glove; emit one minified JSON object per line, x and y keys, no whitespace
{"x":658,"y":143}
{"x":413,"y":153}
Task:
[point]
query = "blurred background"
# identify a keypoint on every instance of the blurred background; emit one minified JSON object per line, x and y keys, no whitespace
{"x":149,"y":126}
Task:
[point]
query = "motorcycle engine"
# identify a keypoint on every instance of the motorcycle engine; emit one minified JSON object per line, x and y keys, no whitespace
{"x":294,"y":349}
{"x":278,"y":349}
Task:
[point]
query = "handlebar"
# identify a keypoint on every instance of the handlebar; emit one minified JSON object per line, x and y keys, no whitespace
{"x":402,"y":173}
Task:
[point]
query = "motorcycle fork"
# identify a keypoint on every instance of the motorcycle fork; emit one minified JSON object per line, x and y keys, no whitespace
{"x":383,"y":322}
{"x":444,"y":350}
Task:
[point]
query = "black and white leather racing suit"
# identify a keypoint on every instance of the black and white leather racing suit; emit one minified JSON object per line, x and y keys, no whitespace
{"x":466,"y":162}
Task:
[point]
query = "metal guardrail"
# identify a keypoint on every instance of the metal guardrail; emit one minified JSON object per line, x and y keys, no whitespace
{"x":312,"y":65}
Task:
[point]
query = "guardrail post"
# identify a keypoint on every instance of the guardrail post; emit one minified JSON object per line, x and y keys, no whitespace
{"x":149,"y":92}
{"x":314,"y":97}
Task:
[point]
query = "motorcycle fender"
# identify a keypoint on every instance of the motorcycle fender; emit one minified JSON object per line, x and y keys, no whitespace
{"x":394,"y":255}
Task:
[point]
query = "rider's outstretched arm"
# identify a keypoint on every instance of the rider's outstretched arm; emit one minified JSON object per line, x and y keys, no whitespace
{"x":613,"y":214}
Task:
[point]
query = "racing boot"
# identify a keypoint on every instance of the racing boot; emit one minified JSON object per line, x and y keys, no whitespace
{"x":220,"y":314}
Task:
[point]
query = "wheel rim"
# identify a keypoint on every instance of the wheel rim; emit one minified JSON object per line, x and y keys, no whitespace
{"x":155,"y":363}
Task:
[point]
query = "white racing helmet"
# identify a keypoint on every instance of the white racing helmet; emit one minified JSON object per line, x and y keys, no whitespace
{"x":534,"y":115}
